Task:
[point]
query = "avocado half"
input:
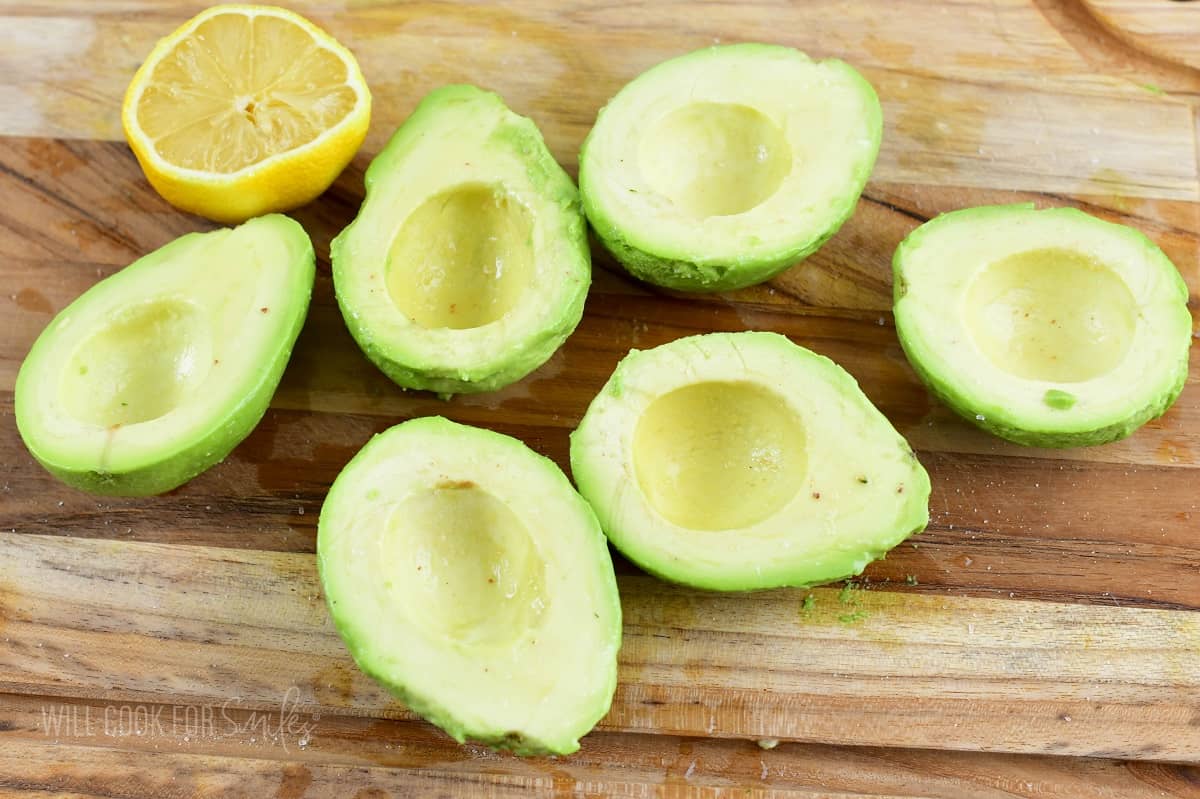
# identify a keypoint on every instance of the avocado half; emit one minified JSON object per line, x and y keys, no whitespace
{"x":466,"y":575}
{"x":467,"y":265}
{"x":738,"y":461}
{"x":723,"y":167}
{"x":1048,"y":328}
{"x":156,"y":373}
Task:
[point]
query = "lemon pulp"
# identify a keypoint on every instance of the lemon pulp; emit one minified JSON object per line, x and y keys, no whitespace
{"x":241,"y":88}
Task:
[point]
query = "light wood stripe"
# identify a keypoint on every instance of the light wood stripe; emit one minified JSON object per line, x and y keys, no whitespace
{"x":196,"y":624}
{"x":970,"y":115}
{"x":191,"y":750}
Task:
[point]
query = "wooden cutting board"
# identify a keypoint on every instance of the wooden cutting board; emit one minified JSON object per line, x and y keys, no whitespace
{"x":179,"y":646}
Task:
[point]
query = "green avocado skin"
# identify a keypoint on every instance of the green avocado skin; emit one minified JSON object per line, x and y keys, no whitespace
{"x":681,"y":273}
{"x":995,"y":420}
{"x":357,"y":636}
{"x":521,"y":135}
{"x":999,"y":425}
{"x":186,"y":459}
{"x":692,"y":276}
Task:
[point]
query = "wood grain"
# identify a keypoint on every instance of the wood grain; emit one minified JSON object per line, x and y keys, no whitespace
{"x":136,"y":620}
{"x":1056,"y":604}
{"x":971,"y":110}
{"x":1105,"y":525}
{"x":186,"y":750}
{"x":1170,"y":31}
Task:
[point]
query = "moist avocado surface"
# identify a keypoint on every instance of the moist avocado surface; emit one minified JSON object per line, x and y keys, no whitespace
{"x":467,"y":265}
{"x":155,"y":373}
{"x":738,"y":461}
{"x":723,"y":167}
{"x":466,"y":574}
{"x":1048,"y":328}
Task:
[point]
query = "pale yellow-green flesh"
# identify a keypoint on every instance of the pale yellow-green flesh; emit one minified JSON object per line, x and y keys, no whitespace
{"x":719,"y":455}
{"x":156,"y":372}
{"x":463,"y":566}
{"x":740,"y":461}
{"x":465,"y":573}
{"x":1051,"y":314}
{"x":139,"y":366}
{"x":462,"y":259}
{"x":241,"y":88}
{"x":715,"y":159}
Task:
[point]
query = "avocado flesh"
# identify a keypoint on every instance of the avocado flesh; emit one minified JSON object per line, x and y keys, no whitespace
{"x":466,"y":574}
{"x":468,"y":264}
{"x":723,"y":167}
{"x":740,"y":461}
{"x":1047,"y":328}
{"x":158,"y":371}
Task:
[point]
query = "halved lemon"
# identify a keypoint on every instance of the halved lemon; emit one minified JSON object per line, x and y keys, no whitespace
{"x":245,"y":110}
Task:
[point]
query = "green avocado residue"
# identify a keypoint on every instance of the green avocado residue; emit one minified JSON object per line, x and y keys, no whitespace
{"x":1060,"y":400}
{"x":849,"y":596}
{"x":809,"y":605}
{"x":1154,"y":89}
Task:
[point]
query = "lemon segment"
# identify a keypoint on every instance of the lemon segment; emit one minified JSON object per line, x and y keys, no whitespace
{"x":245,"y":110}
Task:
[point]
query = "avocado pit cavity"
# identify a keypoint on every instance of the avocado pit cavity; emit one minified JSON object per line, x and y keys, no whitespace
{"x":146,"y":361}
{"x":462,"y":259}
{"x":464,"y":565}
{"x":715,"y":159}
{"x":719,"y":455}
{"x":1051,"y":314}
